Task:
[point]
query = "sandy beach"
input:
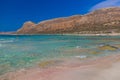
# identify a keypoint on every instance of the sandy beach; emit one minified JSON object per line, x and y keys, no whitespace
{"x":60,"y":40}
{"x":104,"y":68}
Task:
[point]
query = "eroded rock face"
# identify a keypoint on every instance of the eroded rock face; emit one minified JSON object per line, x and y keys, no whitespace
{"x":105,"y":20}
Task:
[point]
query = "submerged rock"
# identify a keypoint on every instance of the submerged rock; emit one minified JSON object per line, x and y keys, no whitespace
{"x":95,"y":52}
{"x":108,"y":47}
{"x":45,"y":64}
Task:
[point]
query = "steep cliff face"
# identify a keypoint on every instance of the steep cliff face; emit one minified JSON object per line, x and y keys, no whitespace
{"x":107,"y":19}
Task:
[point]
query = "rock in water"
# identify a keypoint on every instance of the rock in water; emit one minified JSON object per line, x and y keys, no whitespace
{"x":108,"y":47}
{"x":45,"y":64}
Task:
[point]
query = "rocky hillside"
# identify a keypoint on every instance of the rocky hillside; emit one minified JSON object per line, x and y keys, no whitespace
{"x":105,"y":20}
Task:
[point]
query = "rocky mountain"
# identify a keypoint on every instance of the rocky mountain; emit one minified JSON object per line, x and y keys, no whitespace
{"x":106,"y":20}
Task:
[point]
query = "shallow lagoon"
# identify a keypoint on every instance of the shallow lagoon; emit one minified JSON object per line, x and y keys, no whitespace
{"x":23,"y":51}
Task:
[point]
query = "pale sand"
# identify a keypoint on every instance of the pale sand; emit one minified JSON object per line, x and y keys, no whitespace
{"x":105,"y":68}
{"x":87,"y":34}
{"x":100,"y":34}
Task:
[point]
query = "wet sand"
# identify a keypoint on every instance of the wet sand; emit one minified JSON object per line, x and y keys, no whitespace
{"x":104,"y":68}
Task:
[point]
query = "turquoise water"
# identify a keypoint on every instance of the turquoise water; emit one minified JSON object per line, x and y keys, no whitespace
{"x":20,"y":51}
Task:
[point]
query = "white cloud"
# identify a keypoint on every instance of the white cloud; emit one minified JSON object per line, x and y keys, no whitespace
{"x":106,"y":3}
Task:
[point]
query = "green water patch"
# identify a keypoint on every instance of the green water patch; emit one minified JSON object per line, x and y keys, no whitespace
{"x":5,"y":67}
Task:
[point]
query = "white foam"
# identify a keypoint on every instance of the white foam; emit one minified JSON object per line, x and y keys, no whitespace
{"x":78,"y":46}
{"x":6,"y":41}
{"x":83,"y":56}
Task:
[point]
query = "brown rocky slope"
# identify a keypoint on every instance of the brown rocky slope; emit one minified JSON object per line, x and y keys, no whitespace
{"x":104,"y":20}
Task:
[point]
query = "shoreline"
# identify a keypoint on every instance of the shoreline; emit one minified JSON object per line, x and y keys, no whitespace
{"x":111,"y":34}
{"x":104,"y":34}
{"x":70,"y":69}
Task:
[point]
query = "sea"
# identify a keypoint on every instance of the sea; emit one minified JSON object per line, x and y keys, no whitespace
{"x":24,"y":51}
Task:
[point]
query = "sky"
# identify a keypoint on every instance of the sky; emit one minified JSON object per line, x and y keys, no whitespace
{"x":13,"y":13}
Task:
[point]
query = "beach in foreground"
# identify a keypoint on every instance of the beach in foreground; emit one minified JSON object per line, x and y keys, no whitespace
{"x":104,"y":68}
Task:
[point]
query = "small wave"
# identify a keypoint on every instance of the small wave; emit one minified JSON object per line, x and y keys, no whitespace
{"x":2,"y":39}
{"x":6,"y":41}
{"x":82,"y":57}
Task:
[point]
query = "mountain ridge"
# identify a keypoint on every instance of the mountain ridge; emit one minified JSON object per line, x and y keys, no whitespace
{"x":104,"y":20}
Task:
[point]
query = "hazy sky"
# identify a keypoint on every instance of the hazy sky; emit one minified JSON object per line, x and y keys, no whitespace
{"x":13,"y":13}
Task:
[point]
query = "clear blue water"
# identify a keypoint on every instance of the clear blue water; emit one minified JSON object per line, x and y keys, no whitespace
{"x":20,"y":51}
